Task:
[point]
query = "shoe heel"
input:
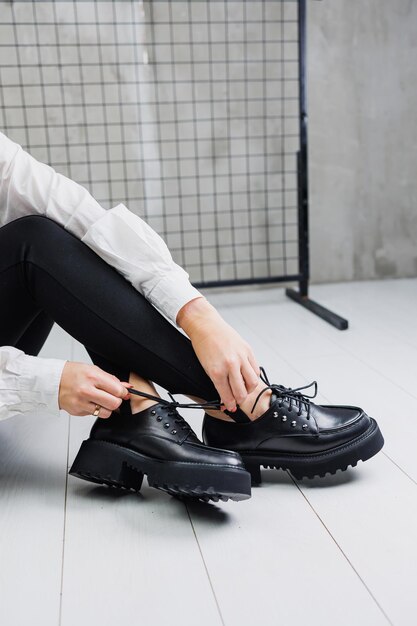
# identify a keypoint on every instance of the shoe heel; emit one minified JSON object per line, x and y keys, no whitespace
{"x":104,"y":463}
{"x":255,"y":473}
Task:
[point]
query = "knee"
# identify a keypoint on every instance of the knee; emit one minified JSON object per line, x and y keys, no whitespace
{"x":34,"y":226}
{"x":35,"y":221}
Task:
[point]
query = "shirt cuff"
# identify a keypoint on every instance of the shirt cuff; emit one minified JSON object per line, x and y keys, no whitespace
{"x":38,"y":381}
{"x":172,"y":292}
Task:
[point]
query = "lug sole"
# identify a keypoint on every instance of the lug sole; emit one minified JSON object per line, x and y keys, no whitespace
{"x":106,"y":463}
{"x":319,"y":464}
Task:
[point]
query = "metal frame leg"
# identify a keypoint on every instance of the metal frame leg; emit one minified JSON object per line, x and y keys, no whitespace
{"x":335,"y":320}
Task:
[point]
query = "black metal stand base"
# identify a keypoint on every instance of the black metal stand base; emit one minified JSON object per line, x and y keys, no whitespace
{"x":335,"y":320}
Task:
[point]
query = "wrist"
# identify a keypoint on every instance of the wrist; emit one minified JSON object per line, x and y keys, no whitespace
{"x":196,"y":313}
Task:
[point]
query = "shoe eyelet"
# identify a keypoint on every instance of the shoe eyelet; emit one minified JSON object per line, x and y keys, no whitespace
{"x":159,"y":418}
{"x":284,"y":418}
{"x":275,"y":414}
{"x":174,"y":432}
{"x":305,"y":426}
{"x":293,"y":423}
{"x":166,"y":425}
{"x":153,"y":412}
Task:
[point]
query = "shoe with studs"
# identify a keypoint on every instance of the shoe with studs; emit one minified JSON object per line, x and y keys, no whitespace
{"x":297,"y":435}
{"x":158,"y":442}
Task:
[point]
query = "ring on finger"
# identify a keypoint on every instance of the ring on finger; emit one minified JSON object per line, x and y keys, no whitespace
{"x":97,"y":410}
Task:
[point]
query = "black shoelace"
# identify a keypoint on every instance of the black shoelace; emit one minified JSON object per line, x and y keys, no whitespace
{"x":299,"y":400}
{"x":172,"y":406}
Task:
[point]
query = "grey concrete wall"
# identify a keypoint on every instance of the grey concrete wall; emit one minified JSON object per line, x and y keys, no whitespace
{"x":363,"y":128}
{"x":363,"y":138}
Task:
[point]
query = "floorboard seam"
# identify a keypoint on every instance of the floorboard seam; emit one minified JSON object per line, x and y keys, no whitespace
{"x":399,"y":467}
{"x":359,"y":358}
{"x":380,"y":323}
{"x":205,"y":567}
{"x":352,"y":354}
{"x":342,"y":551}
{"x":242,"y":320}
{"x":65,"y":523}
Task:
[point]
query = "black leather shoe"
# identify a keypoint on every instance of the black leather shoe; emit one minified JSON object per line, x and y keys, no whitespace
{"x":158,"y":442}
{"x":297,"y":435}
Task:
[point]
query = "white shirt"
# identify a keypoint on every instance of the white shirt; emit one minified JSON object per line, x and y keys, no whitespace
{"x":121,"y":238}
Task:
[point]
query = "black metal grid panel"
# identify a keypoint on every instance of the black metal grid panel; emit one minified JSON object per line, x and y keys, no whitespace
{"x":186,"y":111}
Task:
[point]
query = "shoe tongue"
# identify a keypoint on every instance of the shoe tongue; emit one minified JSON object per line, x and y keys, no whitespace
{"x":191,"y":437}
{"x":273,"y":399}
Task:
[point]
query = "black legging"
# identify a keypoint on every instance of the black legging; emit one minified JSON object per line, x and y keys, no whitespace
{"x":47,"y":275}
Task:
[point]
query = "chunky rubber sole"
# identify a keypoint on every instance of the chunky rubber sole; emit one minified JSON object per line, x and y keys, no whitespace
{"x":318,"y":464}
{"x":107,"y":463}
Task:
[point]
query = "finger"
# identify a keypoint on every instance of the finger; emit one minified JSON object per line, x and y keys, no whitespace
{"x":110,"y":384}
{"x":225,"y":392}
{"x":249,"y":376}
{"x":254,"y":364}
{"x":103,"y":412}
{"x":127,"y":387}
{"x":104,"y":399}
{"x":237,"y":384}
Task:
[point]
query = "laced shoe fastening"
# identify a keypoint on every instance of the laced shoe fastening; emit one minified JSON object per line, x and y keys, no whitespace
{"x":287,"y":393}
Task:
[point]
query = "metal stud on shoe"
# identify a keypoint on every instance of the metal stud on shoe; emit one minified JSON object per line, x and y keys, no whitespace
{"x":121,"y":454}
{"x":336,"y":437}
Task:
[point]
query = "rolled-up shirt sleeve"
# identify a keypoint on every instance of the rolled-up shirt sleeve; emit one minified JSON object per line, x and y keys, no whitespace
{"x":121,"y":238}
{"x":117,"y":235}
{"x":28,"y":383}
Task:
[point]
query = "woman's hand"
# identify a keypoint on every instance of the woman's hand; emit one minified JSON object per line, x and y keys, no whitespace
{"x":225,"y":356}
{"x":84,"y":386}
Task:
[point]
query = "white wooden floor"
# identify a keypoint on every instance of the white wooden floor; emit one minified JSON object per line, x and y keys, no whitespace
{"x":340,"y":550}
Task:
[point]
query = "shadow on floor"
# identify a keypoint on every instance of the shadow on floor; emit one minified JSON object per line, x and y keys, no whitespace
{"x":274,"y":477}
